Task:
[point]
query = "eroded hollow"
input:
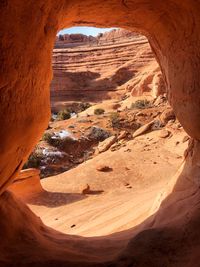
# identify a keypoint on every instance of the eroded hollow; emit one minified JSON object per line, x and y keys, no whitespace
{"x":27,"y":79}
{"x":88,"y":201}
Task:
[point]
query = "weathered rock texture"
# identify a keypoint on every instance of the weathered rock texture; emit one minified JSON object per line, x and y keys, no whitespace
{"x":173,"y":29}
{"x":118,"y":62}
{"x":73,"y":40}
{"x":27,"y":183}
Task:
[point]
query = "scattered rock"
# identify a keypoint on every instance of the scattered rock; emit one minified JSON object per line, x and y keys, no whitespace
{"x":157,"y":124}
{"x":141,"y":114}
{"x":159,"y":100}
{"x":116,"y":106}
{"x":71,"y":126}
{"x":122,"y":135}
{"x":179,"y":125}
{"x":73,"y":225}
{"x":84,"y":121}
{"x":164,"y":133}
{"x":143,"y":129}
{"x":167,"y":115}
{"x":127,"y":150}
{"x":103,"y":168}
{"x":86,"y":190}
{"x":185,"y":138}
{"x":106,"y":144}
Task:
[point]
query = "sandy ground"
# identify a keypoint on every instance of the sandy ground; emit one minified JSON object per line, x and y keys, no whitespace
{"x":119,"y":199}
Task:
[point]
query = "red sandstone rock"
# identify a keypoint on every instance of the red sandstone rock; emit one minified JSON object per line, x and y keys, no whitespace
{"x":106,"y":144}
{"x":92,"y":72}
{"x":173,"y":30}
{"x":164,"y":133}
{"x":86,"y":190}
{"x":103,"y":168}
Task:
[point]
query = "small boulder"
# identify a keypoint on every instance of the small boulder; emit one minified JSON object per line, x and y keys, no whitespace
{"x":86,"y":190}
{"x":167,"y":115}
{"x":103,"y":168}
{"x":164,"y":133}
{"x":185,"y":138}
{"x":159,"y":100}
{"x":122,"y":135}
{"x":143,"y":129}
{"x":106,"y":144}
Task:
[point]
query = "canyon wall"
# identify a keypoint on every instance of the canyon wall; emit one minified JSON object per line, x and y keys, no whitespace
{"x":112,"y":64}
{"x":73,"y":40}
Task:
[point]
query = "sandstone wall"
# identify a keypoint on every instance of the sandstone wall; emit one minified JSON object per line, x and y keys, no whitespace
{"x":173,"y":29}
{"x":95,"y":73}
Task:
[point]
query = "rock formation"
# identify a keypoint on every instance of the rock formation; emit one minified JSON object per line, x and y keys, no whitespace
{"x":73,"y":40}
{"x":172,"y":28}
{"x":118,"y":62}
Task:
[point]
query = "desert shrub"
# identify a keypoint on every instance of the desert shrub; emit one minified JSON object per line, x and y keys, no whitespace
{"x":99,"y":111}
{"x":84,"y":105}
{"x":56,"y":142}
{"x":64,"y":115}
{"x":52,"y":140}
{"x":34,"y":159}
{"x":141,"y":104}
{"x":115,"y":120}
{"x":97,"y":133}
{"x":47,"y":137}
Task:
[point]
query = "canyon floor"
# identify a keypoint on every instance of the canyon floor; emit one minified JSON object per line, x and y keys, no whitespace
{"x":124,"y":182}
{"x":120,"y":198}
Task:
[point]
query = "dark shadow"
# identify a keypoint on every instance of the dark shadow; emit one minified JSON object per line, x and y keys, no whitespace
{"x":95,"y":192}
{"x":80,"y":86}
{"x":106,"y":169}
{"x":55,"y":199}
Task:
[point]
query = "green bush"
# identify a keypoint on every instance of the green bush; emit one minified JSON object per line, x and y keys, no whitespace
{"x":99,"y":111}
{"x":47,"y":137}
{"x":64,"y":115}
{"x":141,"y":104}
{"x":115,"y":120}
{"x":56,"y":142}
{"x":83,"y":106}
{"x":34,"y":159}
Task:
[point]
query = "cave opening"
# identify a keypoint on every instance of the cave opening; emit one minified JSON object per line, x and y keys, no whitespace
{"x":105,"y":88}
{"x":171,"y":233}
{"x":105,"y":72}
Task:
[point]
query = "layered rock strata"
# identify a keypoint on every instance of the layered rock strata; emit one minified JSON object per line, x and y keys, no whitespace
{"x":172,"y":28}
{"x":121,"y":62}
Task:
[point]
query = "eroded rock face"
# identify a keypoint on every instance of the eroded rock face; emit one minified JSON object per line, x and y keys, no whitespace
{"x":119,"y":61}
{"x":172,"y":28}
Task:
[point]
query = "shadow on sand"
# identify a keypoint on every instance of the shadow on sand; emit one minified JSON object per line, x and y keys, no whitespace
{"x":55,"y":199}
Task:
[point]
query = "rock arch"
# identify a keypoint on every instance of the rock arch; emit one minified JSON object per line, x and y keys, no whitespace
{"x":28,"y":30}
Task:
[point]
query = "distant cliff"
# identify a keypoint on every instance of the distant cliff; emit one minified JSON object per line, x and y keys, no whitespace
{"x":90,"y":68}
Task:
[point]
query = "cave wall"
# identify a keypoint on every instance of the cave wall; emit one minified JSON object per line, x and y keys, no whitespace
{"x":27,"y":35}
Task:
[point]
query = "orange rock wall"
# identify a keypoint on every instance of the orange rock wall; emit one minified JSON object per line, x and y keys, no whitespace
{"x":28,"y":30}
